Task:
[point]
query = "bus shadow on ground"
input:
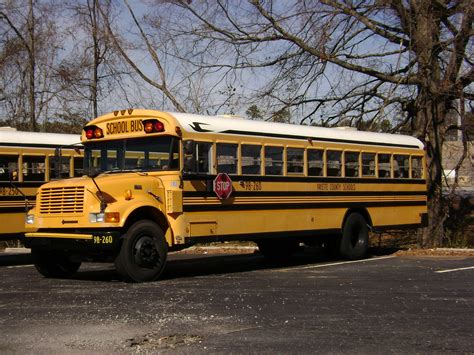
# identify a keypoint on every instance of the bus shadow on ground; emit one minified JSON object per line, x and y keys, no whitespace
{"x":181,"y":266}
{"x":15,"y":259}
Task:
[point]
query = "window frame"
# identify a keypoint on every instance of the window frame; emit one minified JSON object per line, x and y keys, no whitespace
{"x":390,"y":171}
{"x":358,"y":170}
{"x":323,"y":159}
{"x":287,"y":162}
{"x":235,"y":159}
{"x":259,"y":159}
{"x":374,"y":175}
{"x":341,"y":162}
{"x":270,"y":146}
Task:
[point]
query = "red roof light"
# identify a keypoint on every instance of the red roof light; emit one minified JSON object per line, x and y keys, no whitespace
{"x":93,"y":132}
{"x":153,"y":126}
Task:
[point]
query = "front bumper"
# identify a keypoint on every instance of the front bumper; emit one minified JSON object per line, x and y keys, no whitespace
{"x":87,"y":243}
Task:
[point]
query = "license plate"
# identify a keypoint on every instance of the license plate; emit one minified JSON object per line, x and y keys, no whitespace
{"x":102,"y":239}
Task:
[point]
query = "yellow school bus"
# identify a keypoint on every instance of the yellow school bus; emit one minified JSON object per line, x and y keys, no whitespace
{"x":158,"y":181}
{"x":28,"y":160}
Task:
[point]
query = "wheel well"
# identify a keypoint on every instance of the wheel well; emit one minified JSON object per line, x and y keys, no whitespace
{"x":362,"y":211}
{"x":147,"y":212}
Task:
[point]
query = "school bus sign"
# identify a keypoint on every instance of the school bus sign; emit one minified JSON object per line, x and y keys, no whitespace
{"x":222,"y":186}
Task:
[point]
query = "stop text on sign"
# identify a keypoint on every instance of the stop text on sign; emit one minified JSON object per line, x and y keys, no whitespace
{"x":222,"y":186}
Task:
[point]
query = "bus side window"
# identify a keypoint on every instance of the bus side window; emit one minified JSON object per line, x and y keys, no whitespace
{"x":204,"y":157}
{"x":226,"y":158}
{"x":368,"y":164}
{"x":334,"y":163}
{"x":401,"y":166}
{"x":9,"y":167}
{"x":33,"y":168}
{"x":416,"y":167}
{"x":78,"y":167}
{"x":351,"y":164}
{"x":384,"y":166}
{"x":295,"y":160}
{"x":61,"y":166}
{"x":273,"y":160}
{"x":315,"y":162}
{"x":251,"y":159}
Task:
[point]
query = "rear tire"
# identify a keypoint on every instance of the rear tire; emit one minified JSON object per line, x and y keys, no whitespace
{"x":54,"y":265}
{"x":355,"y":238}
{"x":143,"y":254}
{"x":277,"y":250}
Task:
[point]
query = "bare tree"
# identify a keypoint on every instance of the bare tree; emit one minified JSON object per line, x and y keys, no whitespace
{"x":92,"y":70}
{"x":359,"y":61}
{"x":29,"y":52}
{"x":162,"y":84}
{"x":25,"y":34}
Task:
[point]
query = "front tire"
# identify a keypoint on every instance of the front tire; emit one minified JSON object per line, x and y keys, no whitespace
{"x":143,"y":254}
{"x":54,"y":265}
{"x":355,"y":238}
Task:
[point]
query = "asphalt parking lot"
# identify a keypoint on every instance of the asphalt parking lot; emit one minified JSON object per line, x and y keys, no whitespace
{"x":241,"y":304}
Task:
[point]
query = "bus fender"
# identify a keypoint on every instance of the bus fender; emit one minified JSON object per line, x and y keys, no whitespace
{"x":151,"y":213}
{"x":362,"y":211}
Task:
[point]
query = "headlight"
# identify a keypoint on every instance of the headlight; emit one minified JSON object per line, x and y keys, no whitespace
{"x":107,"y":217}
{"x":30,"y":219}
{"x":96,"y":217}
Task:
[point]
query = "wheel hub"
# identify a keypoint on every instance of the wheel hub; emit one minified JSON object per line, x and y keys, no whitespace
{"x":146,"y":254}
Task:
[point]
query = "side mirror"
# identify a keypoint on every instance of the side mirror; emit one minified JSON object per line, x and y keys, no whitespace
{"x":189,"y":148}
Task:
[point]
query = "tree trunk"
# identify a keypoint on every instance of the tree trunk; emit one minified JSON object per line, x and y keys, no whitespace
{"x":31,"y":68}
{"x":95,"y":71}
{"x":430,"y":128}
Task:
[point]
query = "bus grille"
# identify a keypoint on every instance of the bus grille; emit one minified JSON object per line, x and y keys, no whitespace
{"x":62,"y":200}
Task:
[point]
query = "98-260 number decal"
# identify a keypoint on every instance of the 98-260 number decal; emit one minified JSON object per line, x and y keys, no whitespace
{"x":102,"y":239}
{"x":251,"y":185}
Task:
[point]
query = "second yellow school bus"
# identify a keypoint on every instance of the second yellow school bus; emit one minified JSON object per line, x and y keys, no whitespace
{"x":159,"y":181}
{"x":27,"y":161}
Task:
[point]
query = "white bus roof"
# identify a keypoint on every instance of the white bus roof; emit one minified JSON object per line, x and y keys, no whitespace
{"x":221,"y":124}
{"x":38,"y":139}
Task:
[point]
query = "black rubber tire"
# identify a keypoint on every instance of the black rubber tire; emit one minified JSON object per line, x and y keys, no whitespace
{"x":54,"y":265}
{"x":143,"y":254}
{"x":277,"y":250}
{"x":355,"y":238}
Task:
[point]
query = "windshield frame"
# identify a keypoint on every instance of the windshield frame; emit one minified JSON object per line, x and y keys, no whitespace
{"x":116,"y":153}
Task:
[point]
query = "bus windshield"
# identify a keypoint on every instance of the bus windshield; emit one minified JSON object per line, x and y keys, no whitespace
{"x":134,"y":154}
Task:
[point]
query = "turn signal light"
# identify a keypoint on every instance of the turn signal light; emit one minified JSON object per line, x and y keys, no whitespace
{"x":93,"y":132}
{"x":112,"y":217}
{"x":153,"y":126}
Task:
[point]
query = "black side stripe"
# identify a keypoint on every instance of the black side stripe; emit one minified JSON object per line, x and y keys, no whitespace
{"x":320,"y":139}
{"x":305,"y":193}
{"x":17,"y":198}
{"x":12,"y":210}
{"x":297,"y":206}
{"x":22,"y":184}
